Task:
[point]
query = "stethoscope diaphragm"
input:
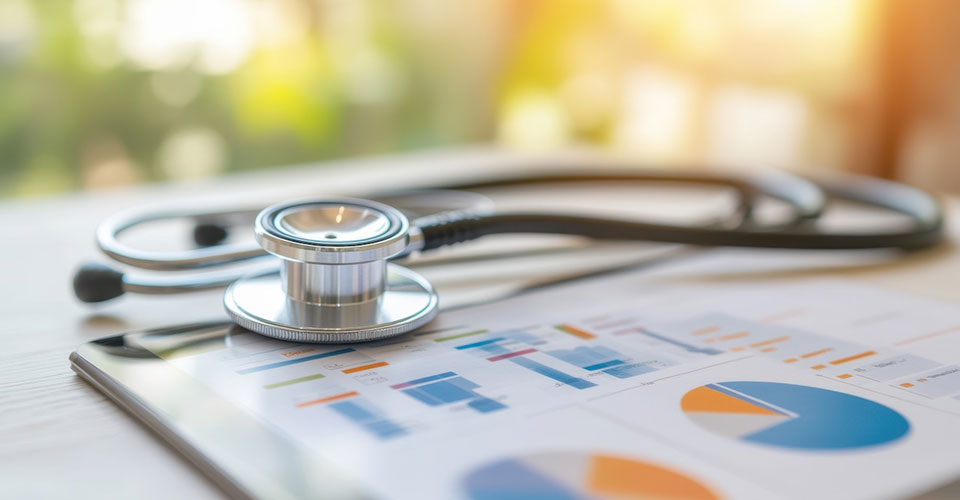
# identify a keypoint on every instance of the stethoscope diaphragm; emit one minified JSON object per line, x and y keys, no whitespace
{"x":335,"y":284}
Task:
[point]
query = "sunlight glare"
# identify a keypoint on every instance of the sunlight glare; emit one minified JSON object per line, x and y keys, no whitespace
{"x":215,"y":35}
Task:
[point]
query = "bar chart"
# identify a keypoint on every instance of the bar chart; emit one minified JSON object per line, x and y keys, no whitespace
{"x":791,"y":346}
{"x":357,"y":410}
{"x":448,"y":388}
{"x":609,"y":361}
{"x":514,"y":346}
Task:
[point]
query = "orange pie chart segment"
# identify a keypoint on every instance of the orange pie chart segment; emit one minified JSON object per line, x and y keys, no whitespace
{"x":707,"y":399}
{"x":614,"y":477}
{"x":580,"y":476}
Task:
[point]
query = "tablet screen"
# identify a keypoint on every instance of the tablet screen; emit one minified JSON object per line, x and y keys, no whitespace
{"x":821,"y":389}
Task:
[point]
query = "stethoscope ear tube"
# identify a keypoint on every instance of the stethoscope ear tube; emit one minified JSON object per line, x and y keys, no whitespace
{"x":805,"y":199}
{"x":207,"y":256}
{"x":923,"y":209}
{"x":920,"y":207}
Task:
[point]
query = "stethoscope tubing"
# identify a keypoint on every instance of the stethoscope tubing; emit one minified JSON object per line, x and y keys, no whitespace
{"x":807,"y":198}
{"x":803,"y":197}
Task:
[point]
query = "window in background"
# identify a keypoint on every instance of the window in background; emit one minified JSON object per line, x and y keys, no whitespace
{"x":99,"y":93}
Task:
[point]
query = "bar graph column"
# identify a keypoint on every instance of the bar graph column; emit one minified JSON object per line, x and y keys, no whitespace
{"x":606,"y":360}
{"x":354,"y":408}
{"x":448,"y":388}
{"x":514,"y":346}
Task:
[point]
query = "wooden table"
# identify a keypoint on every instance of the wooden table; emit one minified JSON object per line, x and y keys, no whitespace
{"x":59,"y":437}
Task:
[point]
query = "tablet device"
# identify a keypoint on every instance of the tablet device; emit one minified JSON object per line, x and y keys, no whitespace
{"x":669,"y":393}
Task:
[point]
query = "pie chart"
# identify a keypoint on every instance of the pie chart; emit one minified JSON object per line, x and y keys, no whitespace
{"x":793,"y":416}
{"x":580,"y":476}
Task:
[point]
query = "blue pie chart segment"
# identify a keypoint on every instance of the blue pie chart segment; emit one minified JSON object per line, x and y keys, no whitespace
{"x":793,"y":416}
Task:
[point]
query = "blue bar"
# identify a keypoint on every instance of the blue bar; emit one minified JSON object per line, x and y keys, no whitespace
{"x":486,"y":405}
{"x":587,"y":357}
{"x":380,"y":427}
{"x":385,"y":429}
{"x":430,"y":378}
{"x":453,"y":391}
{"x":600,"y":366}
{"x":525,"y":337}
{"x":352,"y":410}
{"x":494,"y":349}
{"x":446,"y":392}
{"x":557,"y":375}
{"x":478,"y":344}
{"x":294,"y":361}
{"x":424,"y":397}
{"x":691,"y":348}
{"x":627,"y":371}
{"x":463,"y":383}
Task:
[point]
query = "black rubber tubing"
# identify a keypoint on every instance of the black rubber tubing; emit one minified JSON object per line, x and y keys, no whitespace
{"x":920,"y":207}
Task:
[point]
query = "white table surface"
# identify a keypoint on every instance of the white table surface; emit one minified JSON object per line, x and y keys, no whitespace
{"x":61,"y":438}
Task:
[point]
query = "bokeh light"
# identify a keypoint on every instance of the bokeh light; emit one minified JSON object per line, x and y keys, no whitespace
{"x":104,"y":93}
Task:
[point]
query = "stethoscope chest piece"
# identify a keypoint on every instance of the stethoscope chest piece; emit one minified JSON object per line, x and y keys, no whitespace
{"x":335,"y":284}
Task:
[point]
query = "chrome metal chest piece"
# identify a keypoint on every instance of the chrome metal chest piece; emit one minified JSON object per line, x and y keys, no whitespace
{"x":335,"y":284}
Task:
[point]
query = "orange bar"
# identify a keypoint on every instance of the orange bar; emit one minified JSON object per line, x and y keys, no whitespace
{"x":845,"y":375}
{"x":921,"y":380}
{"x":852,"y":358}
{"x":819,"y":367}
{"x":356,"y":369}
{"x":815,"y":353}
{"x":790,"y":360}
{"x":769,"y":349}
{"x":768,"y":342}
{"x":738,"y":335}
{"x":738,"y":349}
{"x":576,"y":332}
{"x":327,"y":399}
{"x":906,"y":384}
{"x":783,"y":315}
{"x":930,"y":335}
{"x":705,"y":330}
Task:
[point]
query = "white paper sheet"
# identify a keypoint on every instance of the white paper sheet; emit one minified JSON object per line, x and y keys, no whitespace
{"x":614,"y":388}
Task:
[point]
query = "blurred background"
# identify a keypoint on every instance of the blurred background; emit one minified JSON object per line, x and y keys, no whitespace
{"x":102,"y":93}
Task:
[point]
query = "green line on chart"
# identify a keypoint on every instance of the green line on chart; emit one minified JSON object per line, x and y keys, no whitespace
{"x":293,"y":381}
{"x":460,"y":336}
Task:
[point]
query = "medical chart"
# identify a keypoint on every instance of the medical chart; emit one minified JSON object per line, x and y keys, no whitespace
{"x":612,"y":388}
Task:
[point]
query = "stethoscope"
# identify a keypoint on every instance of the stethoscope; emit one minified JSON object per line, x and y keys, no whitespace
{"x":339,"y":280}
